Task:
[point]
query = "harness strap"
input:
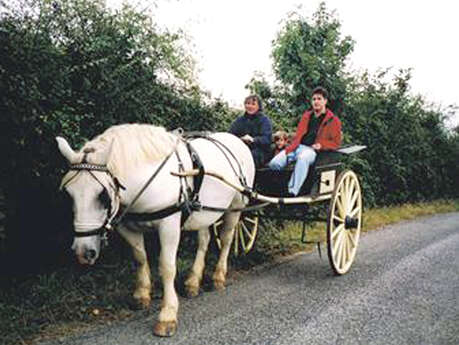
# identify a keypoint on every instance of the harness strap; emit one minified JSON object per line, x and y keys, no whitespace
{"x":197,"y":164}
{"x":125,"y":211}
{"x":190,"y":196}
{"x":100,"y":231}
{"x":144,"y":217}
{"x":223,"y":148}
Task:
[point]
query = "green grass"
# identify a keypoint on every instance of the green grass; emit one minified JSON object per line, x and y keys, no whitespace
{"x":75,"y":298}
{"x":287,"y":241}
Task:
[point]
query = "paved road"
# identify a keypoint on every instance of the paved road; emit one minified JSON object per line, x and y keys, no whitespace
{"x":403,"y":289}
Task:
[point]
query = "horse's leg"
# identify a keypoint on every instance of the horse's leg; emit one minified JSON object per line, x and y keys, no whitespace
{"x":194,"y":279}
{"x":230,"y":220}
{"x":143,"y":281}
{"x":169,"y":237}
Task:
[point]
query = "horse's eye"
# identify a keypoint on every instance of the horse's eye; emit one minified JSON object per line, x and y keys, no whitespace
{"x":104,"y":198}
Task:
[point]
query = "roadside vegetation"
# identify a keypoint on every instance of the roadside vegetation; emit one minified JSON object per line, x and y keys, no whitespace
{"x":75,"y":68}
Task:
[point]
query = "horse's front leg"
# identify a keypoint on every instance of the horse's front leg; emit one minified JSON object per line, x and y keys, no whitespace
{"x":193,"y":282}
{"x":143,"y":279}
{"x":169,"y":237}
{"x":229,"y":222}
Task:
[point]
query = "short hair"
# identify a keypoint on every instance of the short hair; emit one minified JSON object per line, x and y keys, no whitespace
{"x":321,"y":91}
{"x":281,"y":134}
{"x":256,"y":98}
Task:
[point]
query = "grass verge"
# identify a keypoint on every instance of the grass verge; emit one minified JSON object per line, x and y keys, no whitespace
{"x":73,"y":298}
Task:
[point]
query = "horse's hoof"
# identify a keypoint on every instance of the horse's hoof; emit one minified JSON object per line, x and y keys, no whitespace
{"x":192,"y":291}
{"x":219,"y":285}
{"x":165,"y":328}
{"x":141,"y":303}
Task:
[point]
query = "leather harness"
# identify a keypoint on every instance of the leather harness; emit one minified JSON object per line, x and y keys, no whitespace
{"x":188,"y":200}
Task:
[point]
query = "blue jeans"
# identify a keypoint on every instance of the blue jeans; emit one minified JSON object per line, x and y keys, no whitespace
{"x":304,"y":157}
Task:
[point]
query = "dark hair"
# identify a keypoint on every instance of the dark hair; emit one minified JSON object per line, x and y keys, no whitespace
{"x":321,"y":91}
{"x":256,"y":98}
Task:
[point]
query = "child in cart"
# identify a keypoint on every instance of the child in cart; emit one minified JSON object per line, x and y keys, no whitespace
{"x":280,"y":141}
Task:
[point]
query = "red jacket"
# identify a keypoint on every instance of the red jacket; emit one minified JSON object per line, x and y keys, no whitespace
{"x":328,"y":133}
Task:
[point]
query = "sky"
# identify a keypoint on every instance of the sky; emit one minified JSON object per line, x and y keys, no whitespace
{"x":231,"y":40}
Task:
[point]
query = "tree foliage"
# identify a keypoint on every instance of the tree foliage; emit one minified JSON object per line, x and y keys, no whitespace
{"x":410,"y":154}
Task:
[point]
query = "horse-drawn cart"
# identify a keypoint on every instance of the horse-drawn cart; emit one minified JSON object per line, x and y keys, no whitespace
{"x":328,"y":181}
{"x":134,"y":178}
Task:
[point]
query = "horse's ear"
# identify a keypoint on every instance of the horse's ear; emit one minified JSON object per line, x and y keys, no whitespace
{"x":66,"y":150}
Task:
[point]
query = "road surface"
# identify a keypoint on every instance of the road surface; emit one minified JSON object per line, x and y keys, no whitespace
{"x":402,"y":289}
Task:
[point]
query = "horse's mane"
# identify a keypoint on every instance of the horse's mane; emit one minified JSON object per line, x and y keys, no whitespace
{"x":133,"y":144}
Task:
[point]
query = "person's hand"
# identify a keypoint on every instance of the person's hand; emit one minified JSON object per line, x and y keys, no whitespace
{"x":247,"y":139}
{"x":316,"y":146}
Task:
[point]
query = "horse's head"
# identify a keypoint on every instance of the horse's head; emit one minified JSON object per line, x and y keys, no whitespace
{"x":94,"y":192}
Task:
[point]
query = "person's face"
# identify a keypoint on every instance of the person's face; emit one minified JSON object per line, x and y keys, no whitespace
{"x":280,"y":142}
{"x":318,"y":103}
{"x":251,"y":106}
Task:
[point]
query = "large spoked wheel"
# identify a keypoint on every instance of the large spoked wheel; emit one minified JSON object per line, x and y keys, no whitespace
{"x":344,"y":222}
{"x":244,"y":234}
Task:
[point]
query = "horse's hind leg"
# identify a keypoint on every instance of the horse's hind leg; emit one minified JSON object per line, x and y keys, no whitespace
{"x":193,"y":282}
{"x":143,"y":279}
{"x":230,"y":220}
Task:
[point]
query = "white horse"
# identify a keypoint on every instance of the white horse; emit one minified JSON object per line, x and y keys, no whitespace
{"x":129,"y":155}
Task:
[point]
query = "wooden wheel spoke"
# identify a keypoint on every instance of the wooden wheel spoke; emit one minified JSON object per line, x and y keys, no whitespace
{"x":348,"y":247}
{"x":242,"y":237}
{"x":346,"y":193}
{"x":337,"y":242}
{"x":352,"y":239}
{"x":337,"y":230}
{"x":351,"y":189}
{"x":341,"y":251}
{"x":340,"y":207}
{"x":251,"y":220}
{"x":339,"y":219}
{"x":354,"y":211}
{"x":354,"y":198}
{"x":247,"y":231}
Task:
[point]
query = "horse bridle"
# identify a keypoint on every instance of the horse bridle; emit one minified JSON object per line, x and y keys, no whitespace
{"x":104,"y":197}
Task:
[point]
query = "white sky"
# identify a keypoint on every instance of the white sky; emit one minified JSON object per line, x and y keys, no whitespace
{"x":232,"y":39}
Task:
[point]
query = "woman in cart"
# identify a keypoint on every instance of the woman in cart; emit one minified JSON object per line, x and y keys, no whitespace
{"x":319,"y":130}
{"x":254,"y":128}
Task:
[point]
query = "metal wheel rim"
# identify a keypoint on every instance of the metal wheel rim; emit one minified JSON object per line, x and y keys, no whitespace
{"x":344,"y":222}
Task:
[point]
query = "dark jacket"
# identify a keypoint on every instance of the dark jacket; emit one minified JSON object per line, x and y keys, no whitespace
{"x":259,"y":127}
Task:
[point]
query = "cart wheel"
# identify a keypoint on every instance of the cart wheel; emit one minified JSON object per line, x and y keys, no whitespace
{"x":244,"y":234}
{"x":344,"y":222}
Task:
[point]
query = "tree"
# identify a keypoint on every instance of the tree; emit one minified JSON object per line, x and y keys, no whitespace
{"x":306,"y":53}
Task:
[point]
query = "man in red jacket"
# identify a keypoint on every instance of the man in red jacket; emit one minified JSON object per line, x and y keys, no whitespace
{"x":319,"y":130}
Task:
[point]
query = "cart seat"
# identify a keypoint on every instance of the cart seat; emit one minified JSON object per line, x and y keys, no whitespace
{"x":321,"y":176}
